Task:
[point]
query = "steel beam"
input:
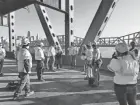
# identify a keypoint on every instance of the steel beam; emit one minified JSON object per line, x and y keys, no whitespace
{"x":44,"y":3}
{"x":99,"y":21}
{"x":46,"y":24}
{"x":1,"y":20}
{"x":12,"y":34}
{"x":69,"y":27}
{"x":12,"y":5}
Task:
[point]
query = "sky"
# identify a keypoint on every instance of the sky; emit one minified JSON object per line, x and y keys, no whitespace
{"x":124,"y":20}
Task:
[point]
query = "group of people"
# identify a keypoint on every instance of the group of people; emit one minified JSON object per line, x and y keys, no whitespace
{"x":46,"y":58}
{"x":92,"y":56}
{"x":124,"y":64}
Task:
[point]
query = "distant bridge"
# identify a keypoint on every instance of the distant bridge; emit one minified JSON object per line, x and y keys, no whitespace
{"x":106,"y":41}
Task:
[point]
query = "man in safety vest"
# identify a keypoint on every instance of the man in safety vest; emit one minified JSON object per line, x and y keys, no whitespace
{"x":2,"y":56}
{"x":47,"y":57}
{"x":52,"y":52}
{"x":58,"y":57}
{"x":97,"y":62}
{"x":39,"y":57}
{"x":73,"y":51}
{"x":24,"y":69}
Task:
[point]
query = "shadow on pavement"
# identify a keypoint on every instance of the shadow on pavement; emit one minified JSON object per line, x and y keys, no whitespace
{"x":74,"y":99}
{"x":62,"y":85}
{"x":67,"y":90}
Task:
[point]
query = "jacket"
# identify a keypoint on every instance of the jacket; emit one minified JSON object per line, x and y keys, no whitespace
{"x":39,"y":54}
{"x":24,"y":61}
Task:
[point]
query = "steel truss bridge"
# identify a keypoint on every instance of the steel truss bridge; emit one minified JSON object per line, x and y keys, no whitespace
{"x":106,"y":41}
{"x":94,"y":32}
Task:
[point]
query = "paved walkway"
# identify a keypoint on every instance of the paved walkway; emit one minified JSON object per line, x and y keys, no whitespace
{"x":63,"y":87}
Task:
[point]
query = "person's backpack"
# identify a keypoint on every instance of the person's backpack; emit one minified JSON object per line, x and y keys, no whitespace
{"x":12,"y":85}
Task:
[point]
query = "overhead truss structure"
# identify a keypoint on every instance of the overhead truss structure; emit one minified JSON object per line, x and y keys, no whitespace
{"x":8,"y":6}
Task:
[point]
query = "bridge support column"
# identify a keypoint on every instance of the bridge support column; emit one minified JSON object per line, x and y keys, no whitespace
{"x":46,"y":24}
{"x":12,"y":34}
{"x":69,"y":18}
{"x":99,"y":21}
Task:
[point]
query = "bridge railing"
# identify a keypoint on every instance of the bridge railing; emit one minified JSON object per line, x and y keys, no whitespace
{"x":102,"y":42}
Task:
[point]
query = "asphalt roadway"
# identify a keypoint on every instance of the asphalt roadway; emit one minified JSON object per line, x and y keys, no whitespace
{"x":63,"y":87}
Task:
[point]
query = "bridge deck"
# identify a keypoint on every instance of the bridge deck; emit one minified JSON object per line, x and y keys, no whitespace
{"x":63,"y":87}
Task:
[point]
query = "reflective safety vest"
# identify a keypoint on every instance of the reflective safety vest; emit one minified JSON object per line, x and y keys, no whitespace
{"x":89,"y":54}
{"x":39,"y":53}
{"x":46,"y":51}
{"x":96,"y":54}
{"x":52,"y":51}
{"x":22,"y":55}
{"x":73,"y":50}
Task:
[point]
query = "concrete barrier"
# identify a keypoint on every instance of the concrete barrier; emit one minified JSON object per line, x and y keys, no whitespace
{"x":80,"y":63}
{"x":10,"y":55}
{"x":66,"y":60}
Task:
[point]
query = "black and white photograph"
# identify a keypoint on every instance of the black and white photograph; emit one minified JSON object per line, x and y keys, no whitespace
{"x":69,"y":52}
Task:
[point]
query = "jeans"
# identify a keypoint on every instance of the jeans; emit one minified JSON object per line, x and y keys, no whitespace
{"x":39,"y":69}
{"x":96,"y":73}
{"x":59,"y":62}
{"x":51,"y":62}
{"x":47,"y":58}
{"x":73,"y":60}
{"x":24,"y":82}
{"x":1,"y":65}
{"x":126,"y":94}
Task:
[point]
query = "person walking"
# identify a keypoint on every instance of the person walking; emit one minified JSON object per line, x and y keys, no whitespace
{"x":24,"y":69}
{"x":126,"y":69}
{"x":39,"y":57}
{"x":2,"y":56}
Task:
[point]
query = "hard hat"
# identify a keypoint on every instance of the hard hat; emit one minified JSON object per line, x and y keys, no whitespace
{"x":132,"y":43}
{"x":25,"y":41}
{"x":94,"y":43}
{"x":122,"y":47}
{"x":83,"y":57}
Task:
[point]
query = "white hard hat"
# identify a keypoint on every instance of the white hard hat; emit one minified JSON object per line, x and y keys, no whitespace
{"x":94,"y":43}
{"x":25,"y":41}
{"x":122,"y":47}
{"x":83,"y":57}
